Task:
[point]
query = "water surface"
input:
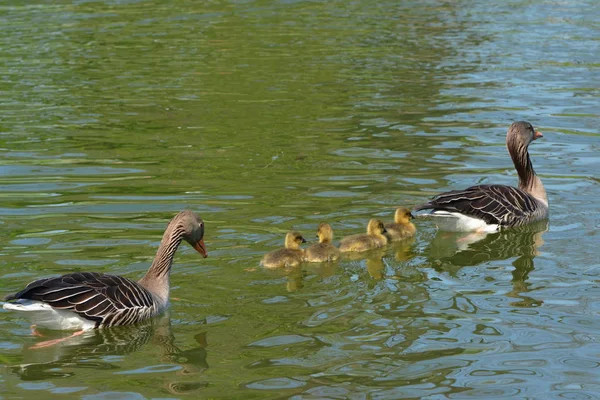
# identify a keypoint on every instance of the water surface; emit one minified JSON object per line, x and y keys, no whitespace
{"x":266,"y":116}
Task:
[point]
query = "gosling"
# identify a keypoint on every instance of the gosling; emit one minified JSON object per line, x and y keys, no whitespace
{"x":323,"y":251}
{"x":290,"y":256}
{"x":401,"y":228}
{"x":373,"y":239}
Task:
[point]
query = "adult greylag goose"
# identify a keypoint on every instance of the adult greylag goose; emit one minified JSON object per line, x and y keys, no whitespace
{"x":87,"y":300}
{"x":290,"y":256}
{"x":488,"y":208}
{"x":373,"y":239}
{"x":401,"y":228}
{"x":323,"y":251}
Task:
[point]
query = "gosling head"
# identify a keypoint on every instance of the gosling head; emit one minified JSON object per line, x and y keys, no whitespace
{"x":403,"y":216}
{"x":293,"y":240}
{"x":325,"y":233}
{"x":375,"y":227}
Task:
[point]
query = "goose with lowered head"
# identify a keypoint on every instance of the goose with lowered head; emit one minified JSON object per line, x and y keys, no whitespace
{"x":87,"y":300}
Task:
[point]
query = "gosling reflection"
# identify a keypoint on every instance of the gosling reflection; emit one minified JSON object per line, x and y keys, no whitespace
{"x":294,"y":279}
{"x":90,"y":351}
{"x":403,"y":250}
{"x":375,"y":265}
{"x":451,"y":251}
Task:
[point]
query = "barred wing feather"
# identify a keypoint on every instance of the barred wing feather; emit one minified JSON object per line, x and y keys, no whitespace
{"x":105,"y":299}
{"x":495,"y":204}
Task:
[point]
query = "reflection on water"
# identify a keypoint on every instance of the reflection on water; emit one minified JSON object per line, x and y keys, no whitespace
{"x":450,"y":251}
{"x":100,"y":349}
{"x":462,"y":249}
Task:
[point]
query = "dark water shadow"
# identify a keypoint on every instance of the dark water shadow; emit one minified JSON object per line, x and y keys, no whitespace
{"x":92,"y":350}
{"x":449,"y":252}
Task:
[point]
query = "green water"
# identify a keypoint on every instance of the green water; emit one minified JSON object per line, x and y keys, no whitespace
{"x":269,"y":116}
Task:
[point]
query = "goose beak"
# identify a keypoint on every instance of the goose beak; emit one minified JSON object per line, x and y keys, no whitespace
{"x":537,"y":135}
{"x":201,"y":248}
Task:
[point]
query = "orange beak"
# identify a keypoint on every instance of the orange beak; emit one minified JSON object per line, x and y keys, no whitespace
{"x":537,"y":135}
{"x":201,"y":248}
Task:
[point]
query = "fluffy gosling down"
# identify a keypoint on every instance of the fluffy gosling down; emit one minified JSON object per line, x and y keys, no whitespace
{"x":374,"y":238}
{"x":401,"y":228}
{"x":323,"y":251}
{"x":290,"y":256}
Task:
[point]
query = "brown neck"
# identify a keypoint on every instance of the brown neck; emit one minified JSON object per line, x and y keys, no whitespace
{"x":528,"y":180}
{"x":156,"y":279}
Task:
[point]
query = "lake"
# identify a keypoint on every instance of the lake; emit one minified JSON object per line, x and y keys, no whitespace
{"x":267,"y":116}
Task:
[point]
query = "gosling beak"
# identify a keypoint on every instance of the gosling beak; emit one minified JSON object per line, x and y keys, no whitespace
{"x":537,"y":135}
{"x":201,"y":248}
{"x":411,"y":215}
{"x":303,"y":240}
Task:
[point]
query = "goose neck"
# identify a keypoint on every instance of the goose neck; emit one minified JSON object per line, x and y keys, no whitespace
{"x":528,"y":180}
{"x":156,"y":280}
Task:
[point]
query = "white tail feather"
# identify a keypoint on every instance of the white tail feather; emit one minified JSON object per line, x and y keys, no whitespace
{"x":457,"y":222}
{"x":26,"y":306}
{"x":44,"y":315}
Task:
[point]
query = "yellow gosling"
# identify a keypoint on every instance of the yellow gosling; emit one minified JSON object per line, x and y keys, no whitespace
{"x":324,"y":251}
{"x":290,"y":256}
{"x":373,"y":239}
{"x":401,"y":228}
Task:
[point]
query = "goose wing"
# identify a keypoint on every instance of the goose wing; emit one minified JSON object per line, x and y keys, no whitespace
{"x":495,"y":204}
{"x":105,"y":299}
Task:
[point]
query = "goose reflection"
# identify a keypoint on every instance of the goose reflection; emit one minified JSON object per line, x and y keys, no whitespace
{"x":451,"y":251}
{"x":92,"y":350}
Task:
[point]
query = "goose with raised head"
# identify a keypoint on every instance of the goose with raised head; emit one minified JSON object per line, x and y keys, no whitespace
{"x":373,"y":239}
{"x":488,"y":208}
{"x":87,"y":300}
{"x":401,"y":228}
{"x":324,"y":251}
{"x":290,"y":256}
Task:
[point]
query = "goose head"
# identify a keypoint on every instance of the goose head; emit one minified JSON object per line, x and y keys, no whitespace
{"x":375,"y":227}
{"x":521,"y":134}
{"x":293,"y":240}
{"x":325,"y":233}
{"x":403,"y":216}
{"x":191,"y":227}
